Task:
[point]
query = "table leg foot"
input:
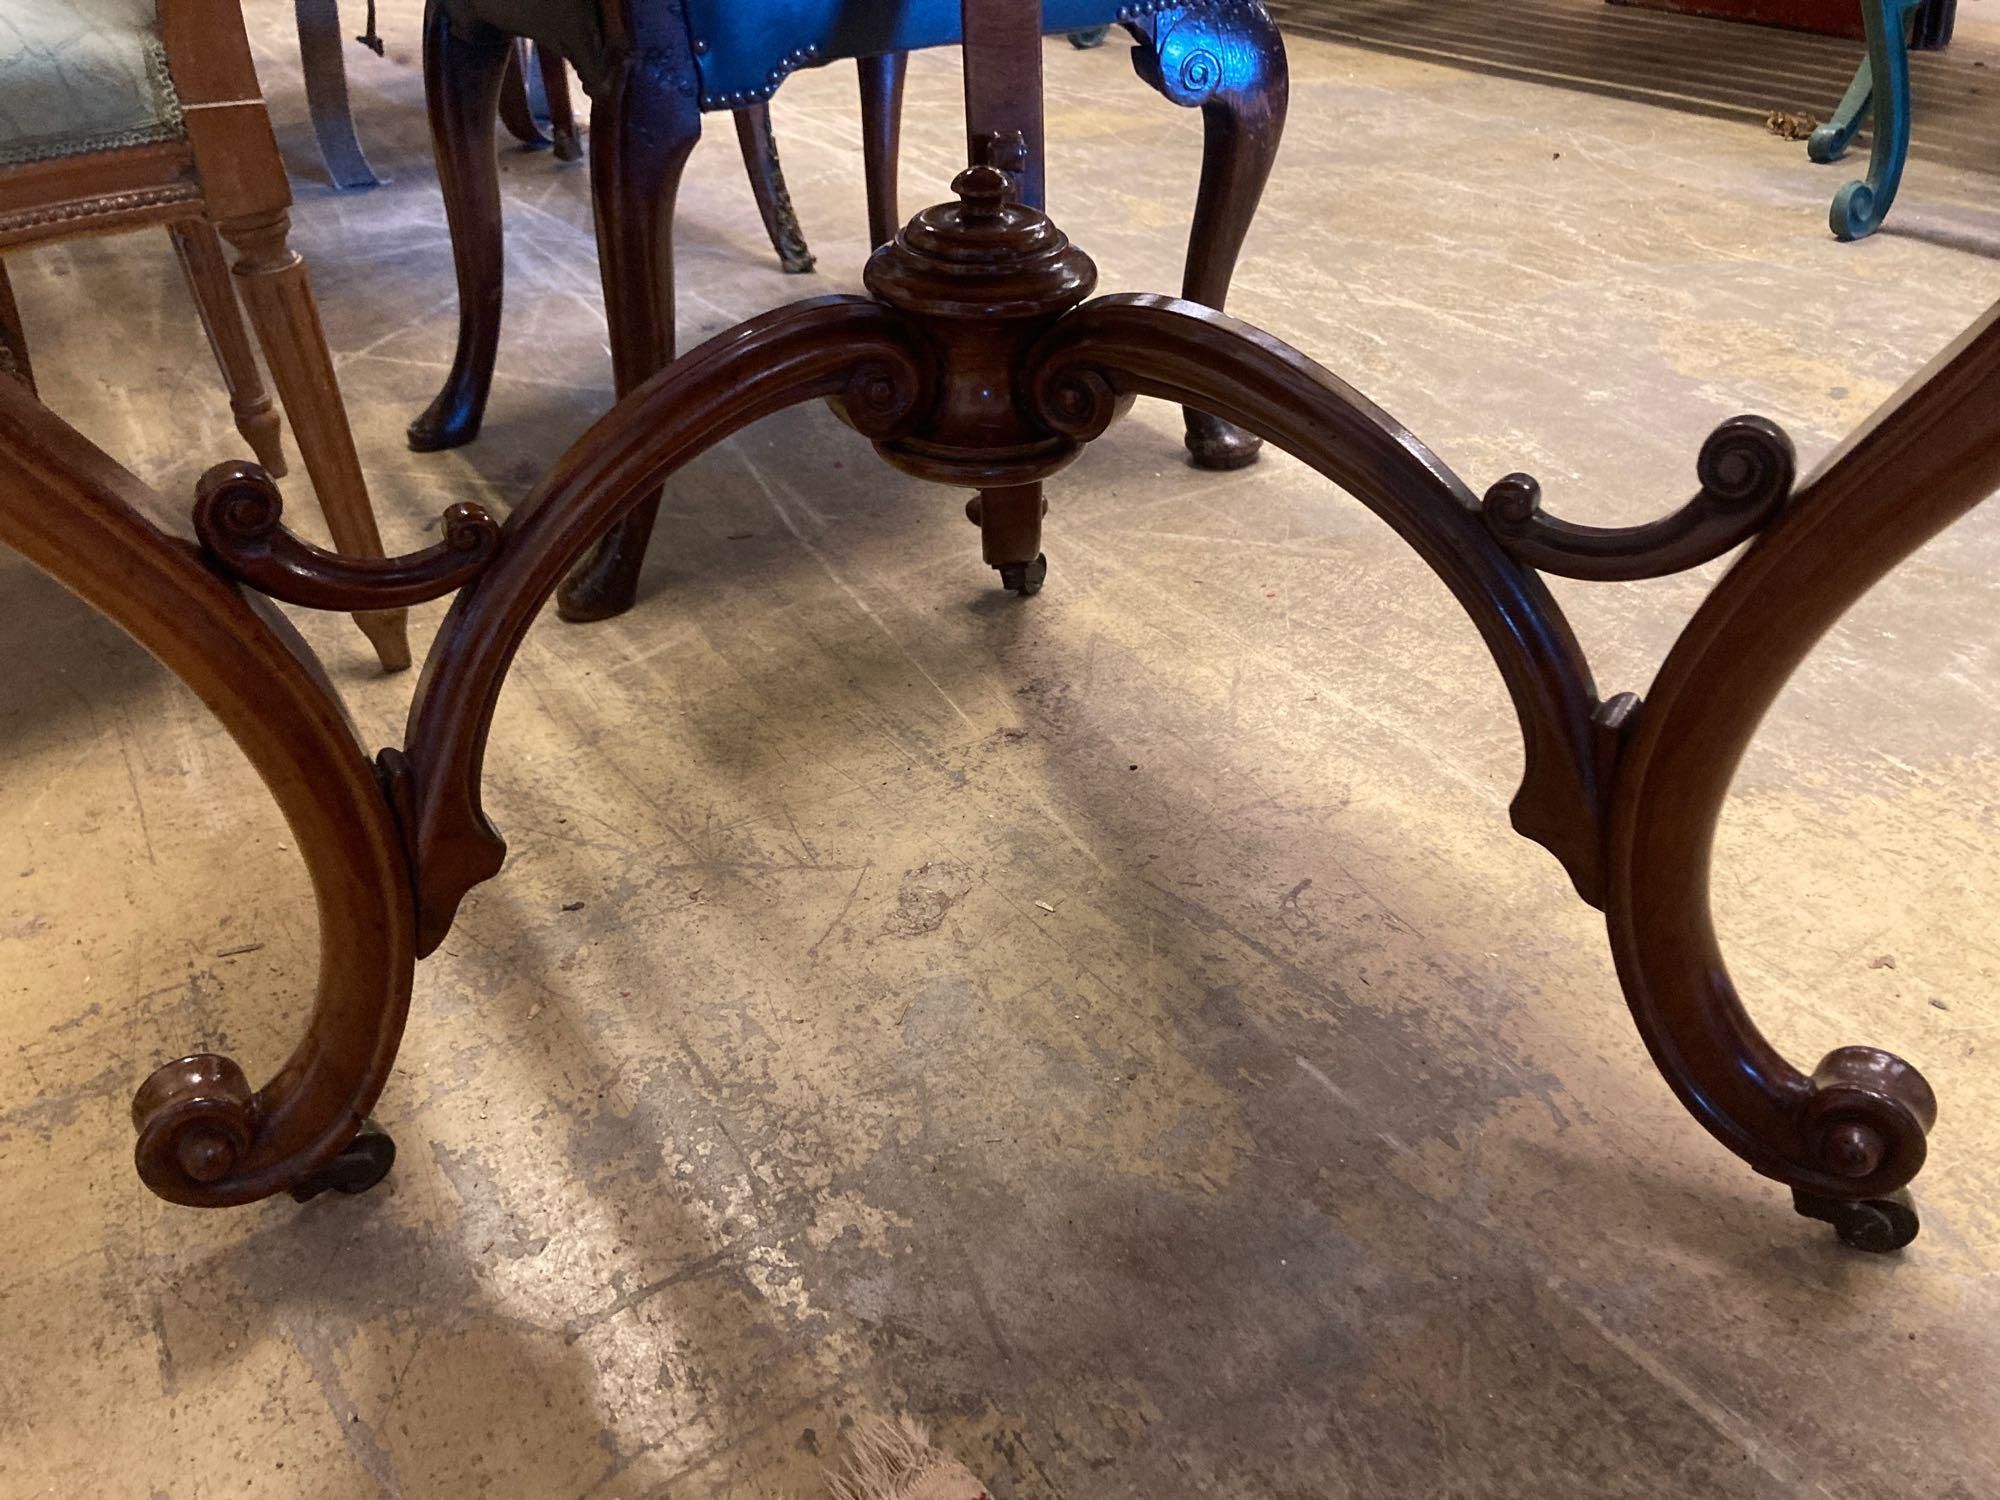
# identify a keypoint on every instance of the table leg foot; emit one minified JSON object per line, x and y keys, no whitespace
{"x":1025,"y":578}
{"x":1877,"y":1225}
{"x":361,"y":1164}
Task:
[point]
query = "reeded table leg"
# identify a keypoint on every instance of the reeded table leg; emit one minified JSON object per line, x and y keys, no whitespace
{"x":207,"y":272}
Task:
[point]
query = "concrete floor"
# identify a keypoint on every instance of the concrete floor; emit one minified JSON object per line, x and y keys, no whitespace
{"x":1302,"y":1149}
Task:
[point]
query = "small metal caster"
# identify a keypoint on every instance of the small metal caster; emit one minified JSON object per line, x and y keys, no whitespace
{"x":1877,"y":1225}
{"x":1025,"y":578}
{"x":363,"y":1162}
{"x":1090,"y":36}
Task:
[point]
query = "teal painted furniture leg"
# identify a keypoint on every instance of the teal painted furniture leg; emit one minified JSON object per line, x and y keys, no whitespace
{"x":1859,"y":208}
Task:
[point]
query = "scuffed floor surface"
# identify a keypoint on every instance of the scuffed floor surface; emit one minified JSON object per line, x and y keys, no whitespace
{"x":1118,"y":1028}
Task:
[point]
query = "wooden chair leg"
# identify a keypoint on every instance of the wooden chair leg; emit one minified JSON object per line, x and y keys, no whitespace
{"x":207,"y":274}
{"x":320,"y":57}
{"x":13,"y":338}
{"x":279,"y":296}
{"x":562,"y":113}
{"x":462,"y":89}
{"x":642,"y":129}
{"x":1242,"y":103}
{"x":881,"y":132}
{"x":767,"y":183}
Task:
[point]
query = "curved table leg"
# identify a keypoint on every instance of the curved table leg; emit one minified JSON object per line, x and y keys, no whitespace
{"x":1122,"y":346}
{"x":1853,"y":1129}
{"x":462,"y":90}
{"x":844,"y":347}
{"x":1226,"y":57}
{"x":205,"y":1137}
{"x":1859,"y":208}
{"x":767,"y":184}
{"x":326,"y":95}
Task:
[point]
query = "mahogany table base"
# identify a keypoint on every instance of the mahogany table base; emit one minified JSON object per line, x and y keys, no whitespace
{"x":977,"y":362}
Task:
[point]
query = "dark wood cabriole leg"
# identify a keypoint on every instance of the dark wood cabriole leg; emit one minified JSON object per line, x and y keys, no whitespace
{"x":767,"y":184}
{"x":1226,"y":57}
{"x":562,"y":109}
{"x":881,"y":139}
{"x":462,"y":91}
{"x":205,"y":1136}
{"x":642,"y":129}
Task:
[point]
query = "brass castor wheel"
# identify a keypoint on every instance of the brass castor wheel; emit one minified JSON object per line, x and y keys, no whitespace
{"x":1877,"y":1225}
{"x":363,"y":1162}
{"x":1025,"y":578}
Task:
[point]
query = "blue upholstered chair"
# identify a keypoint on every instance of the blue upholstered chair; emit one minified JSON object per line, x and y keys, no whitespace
{"x":653,"y":67}
{"x":124,"y":114}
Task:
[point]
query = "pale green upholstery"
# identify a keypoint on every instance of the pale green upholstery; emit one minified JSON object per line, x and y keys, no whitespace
{"x":81,"y":75}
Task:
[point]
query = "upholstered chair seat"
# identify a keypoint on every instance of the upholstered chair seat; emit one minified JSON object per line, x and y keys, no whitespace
{"x":82,"y":75}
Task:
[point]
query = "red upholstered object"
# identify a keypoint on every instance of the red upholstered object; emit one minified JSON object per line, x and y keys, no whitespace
{"x":1833,"y":17}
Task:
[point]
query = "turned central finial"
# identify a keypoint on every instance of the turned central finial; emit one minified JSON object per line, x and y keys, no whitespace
{"x":983,"y":190}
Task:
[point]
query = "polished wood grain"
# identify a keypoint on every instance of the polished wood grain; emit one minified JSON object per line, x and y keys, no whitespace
{"x":975,"y":362}
{"x":204,"y":1137}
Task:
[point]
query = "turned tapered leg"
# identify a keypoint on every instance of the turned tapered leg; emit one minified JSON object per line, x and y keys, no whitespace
{"x":642,"y":129}
{"x":1227,"y":57}
{"x":320,"y":43}
{"x":881,"y":135}
{"x":462,"y":90}
{"x":275,"y":288}
{"x":767,"y":183}
{"x":207,"y":273}
{"x":13,"y":338}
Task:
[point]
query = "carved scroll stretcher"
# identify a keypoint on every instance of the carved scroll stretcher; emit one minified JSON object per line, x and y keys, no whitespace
{"x":974,"y":365}
{"x":204,"y":1137}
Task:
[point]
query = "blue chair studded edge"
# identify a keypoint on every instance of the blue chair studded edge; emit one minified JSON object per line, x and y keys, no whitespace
{"x":651,"y":69}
